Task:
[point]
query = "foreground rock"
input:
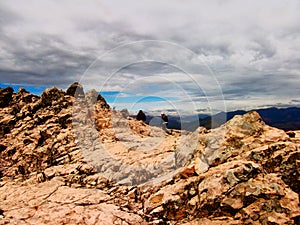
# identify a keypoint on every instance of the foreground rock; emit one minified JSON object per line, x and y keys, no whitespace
{"x":52,"y":202}
{"x":244,"y":172}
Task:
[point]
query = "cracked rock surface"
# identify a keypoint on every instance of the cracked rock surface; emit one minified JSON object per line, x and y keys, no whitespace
{"x":243,"y":172}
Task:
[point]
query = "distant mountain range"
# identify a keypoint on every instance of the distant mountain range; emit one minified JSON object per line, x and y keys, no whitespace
{"x":283,"y":118}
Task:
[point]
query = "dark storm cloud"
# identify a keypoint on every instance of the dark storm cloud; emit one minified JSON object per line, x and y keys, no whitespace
{"x":251,"y":46}
{"x":263,"y":85}
{"x":41,"y":59}
{"x":54,"y":58}
{"x":149,"y":68}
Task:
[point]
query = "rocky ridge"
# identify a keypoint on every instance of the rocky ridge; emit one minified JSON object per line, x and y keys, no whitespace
{"x":243,"y":172}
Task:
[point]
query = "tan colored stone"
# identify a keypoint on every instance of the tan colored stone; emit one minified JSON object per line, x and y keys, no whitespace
{"x":243,"y":172}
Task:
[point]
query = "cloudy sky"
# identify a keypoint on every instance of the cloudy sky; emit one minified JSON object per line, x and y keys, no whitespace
{"x":177,"y":55}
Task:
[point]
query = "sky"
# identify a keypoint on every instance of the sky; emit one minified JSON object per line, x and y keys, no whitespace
{"x":187,"y":56}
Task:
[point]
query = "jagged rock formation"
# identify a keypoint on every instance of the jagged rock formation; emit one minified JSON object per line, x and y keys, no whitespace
{"x":5,"y":96}
{"x":243,"y":172}
{"x":75,"y":90}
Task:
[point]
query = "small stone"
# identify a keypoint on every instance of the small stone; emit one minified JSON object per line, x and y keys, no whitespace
{"x":41,"y":177}
{"x":200,"y":166}
{"x":233,"y":203}
{"x":291,"y":134}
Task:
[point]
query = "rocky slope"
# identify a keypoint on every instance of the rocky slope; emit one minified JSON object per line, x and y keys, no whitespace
{"x":54,"y":170}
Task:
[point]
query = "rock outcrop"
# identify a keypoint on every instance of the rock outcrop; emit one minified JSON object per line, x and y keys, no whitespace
{"x":93,"y":96}
{"x":5,"y":96}
{"x":243,"y":172}
{"x":75,"y":90}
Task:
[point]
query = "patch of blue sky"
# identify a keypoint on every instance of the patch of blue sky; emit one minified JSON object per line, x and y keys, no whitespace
{"x":152,"y":88}
{"x":37,"y":90}
{"x":110,"y":96}
{"x":119,"y":97}
{"x":110,"y":93}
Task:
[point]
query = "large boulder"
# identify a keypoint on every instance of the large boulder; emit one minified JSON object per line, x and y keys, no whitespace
{"x":236,"y":137}
{"x":51,"y":96}
{"x":75,"y":90}
{"x":238,"y":190}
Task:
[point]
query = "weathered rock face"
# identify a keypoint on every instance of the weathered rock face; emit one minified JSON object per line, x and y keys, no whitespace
{"x":37,"y":132}
{"x":52,"y":96}
{"x":93,"y":96}
{"x":39,"y":158}
{"x":102,"y":101}
{"x":5,"y":96}
{"x":244,"y":172}
{"x":75,"y":90}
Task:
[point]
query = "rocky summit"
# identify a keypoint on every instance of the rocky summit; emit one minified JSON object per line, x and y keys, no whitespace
{"x":66,"y":157}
